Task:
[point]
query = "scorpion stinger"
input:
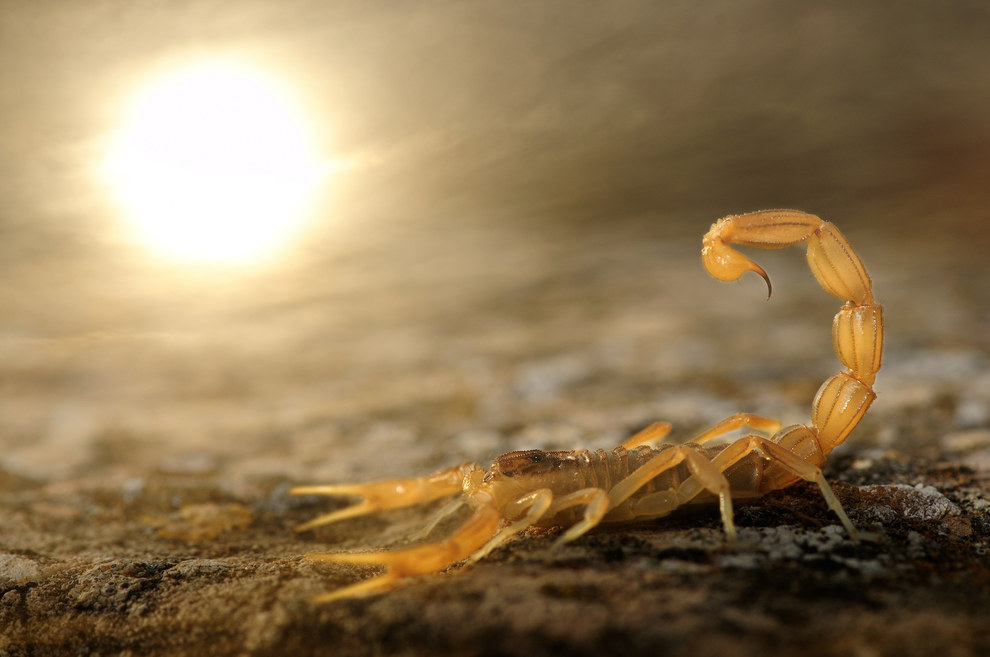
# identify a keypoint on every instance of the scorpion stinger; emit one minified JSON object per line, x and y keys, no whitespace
{"x":640,"y":480}
{"x":798,"y":451}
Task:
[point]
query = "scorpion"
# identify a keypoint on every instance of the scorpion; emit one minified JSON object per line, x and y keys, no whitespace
{"x":641,"y":479}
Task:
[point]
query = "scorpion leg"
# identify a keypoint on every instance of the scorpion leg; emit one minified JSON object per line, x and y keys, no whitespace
{"x":533,"y":506}
{"x":448,"y":510}
{"x":596,"y":505}
{"x":648,"y":436}
{"x":789,"y":461}
{"x":391,"y":494}
{"x":706,"y":476}
{"x":737,"y":421}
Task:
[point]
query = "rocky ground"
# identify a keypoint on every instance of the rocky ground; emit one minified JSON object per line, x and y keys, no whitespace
{"x":145,"y":505}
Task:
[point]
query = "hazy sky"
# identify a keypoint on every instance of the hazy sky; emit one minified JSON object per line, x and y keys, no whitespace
{"x":477,"y":111}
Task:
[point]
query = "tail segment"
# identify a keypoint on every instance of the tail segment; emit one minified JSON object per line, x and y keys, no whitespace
{"x":857,"y":330}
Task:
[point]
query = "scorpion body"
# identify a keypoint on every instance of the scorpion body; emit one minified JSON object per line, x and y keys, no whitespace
{"x":641,"y":479}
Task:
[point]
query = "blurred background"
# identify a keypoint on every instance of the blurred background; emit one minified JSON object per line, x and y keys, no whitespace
{"x":494,"y":240}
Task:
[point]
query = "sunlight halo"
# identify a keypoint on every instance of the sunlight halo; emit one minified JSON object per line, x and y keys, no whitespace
{"x":214,"y":163}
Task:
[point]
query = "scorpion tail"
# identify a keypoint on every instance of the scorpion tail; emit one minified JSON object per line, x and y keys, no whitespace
{"x":857,"y":330}
{"x":418,"y":560}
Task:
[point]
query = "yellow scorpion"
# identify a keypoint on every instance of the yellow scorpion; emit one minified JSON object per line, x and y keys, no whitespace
{"x":640,"y":480}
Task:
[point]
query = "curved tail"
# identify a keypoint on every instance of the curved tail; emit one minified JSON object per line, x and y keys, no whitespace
{"x":857,"y":330}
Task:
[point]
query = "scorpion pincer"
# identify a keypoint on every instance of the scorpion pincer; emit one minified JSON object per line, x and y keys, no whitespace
{"x":641,"y":479}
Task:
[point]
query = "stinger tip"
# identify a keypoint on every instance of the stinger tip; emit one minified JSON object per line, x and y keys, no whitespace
{"x":766,"y":278}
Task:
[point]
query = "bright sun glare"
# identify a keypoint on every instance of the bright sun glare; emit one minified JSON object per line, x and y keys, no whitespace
{"x":214,"y":164}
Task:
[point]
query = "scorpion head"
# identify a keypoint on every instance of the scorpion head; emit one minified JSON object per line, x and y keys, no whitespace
{"x":522,"y":465}
{"x":512,"y":476}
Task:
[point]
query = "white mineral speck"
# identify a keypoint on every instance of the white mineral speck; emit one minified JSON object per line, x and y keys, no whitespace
{"x":18,"y":569}
{"x":919,"y":502}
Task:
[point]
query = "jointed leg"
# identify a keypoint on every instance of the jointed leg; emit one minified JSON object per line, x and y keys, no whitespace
{"x":789,"y":461}
{"x":737,"y":421}
{"x":705,"y":476}
{"x":541,"y":503}
{"x":648,"y":436}
{"x":448,"y":510}
{"x":596,"y":505}
{"x":535,"y":505}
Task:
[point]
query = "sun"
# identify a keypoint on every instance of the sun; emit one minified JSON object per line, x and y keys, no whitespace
{"x":214,"y":163}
